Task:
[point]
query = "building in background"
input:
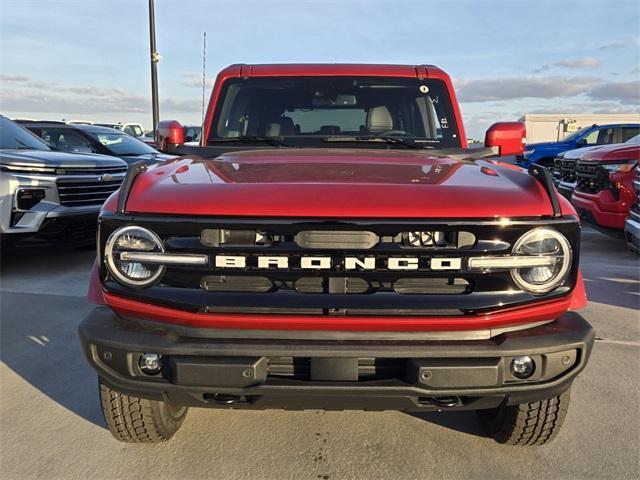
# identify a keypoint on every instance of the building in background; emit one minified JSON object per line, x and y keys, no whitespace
{"x":554,"y":127}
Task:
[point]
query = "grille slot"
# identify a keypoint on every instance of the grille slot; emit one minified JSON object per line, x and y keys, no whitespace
{"x":568,"y":170}
{"x":74,"y":193}
{"x":591,"y":178}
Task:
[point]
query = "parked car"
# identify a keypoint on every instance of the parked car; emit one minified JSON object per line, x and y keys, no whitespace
{"x":335,"y":244}
{"x":95,"y":139}
{"x":49,"y":195}
{"x":133,"y":129}
{"x":545,"y":153}
{"x":564,"y":166}
{"x":632,"y":224}
{"x":604,"y":189}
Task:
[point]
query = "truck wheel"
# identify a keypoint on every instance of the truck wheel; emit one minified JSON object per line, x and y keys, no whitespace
{"x":138,"y":420}
{"x":534,"y":423}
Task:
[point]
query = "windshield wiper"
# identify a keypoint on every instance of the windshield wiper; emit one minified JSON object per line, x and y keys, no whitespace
{"x":405,"y":142}
{"x":275,"y":141}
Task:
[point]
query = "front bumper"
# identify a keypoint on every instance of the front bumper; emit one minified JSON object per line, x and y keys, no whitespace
{"x":632,"y":231}
{"x":592,"y":209}
{"x":333,"y":370}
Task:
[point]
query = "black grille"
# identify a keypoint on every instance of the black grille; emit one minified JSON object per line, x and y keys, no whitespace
{"x":338,"y":290}
{"x":591,"y":177}
{"x":74,"y":193}
{"x":636,"y":187}
{"x":568,"y":170}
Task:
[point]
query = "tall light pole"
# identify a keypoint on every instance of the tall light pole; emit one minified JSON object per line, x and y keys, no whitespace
{"x":155,"y":58}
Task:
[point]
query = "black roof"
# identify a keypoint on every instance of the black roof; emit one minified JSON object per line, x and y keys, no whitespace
{"x":73,"y":126}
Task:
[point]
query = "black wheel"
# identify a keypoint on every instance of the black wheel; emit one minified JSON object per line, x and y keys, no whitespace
{"x":534,"y":423}
{"x":138,"y":420}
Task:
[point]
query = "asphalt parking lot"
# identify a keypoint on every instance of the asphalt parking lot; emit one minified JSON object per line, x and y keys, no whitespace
{"x":51,"y":425}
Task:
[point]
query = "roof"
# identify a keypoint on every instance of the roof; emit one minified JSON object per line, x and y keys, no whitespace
{"x":73,"y":126}
{"x":346,"y":69}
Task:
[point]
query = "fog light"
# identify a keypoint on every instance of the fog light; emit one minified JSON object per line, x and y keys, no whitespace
{"x":27,"y":198}
{"x":522,"y":367}
{"x":150,"y":363}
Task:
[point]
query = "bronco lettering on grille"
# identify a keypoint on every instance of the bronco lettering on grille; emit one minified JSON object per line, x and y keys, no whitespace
{"x":281,"y":262}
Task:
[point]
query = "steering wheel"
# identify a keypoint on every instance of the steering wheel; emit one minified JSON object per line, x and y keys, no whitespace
{"x":391,"y":133}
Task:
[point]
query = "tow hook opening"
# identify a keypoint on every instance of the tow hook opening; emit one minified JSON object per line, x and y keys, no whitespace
{"x":442,"y":402}
{"x":223,"y":398}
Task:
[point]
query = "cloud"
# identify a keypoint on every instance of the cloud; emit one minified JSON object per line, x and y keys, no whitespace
{"x":13,"y":78}
{"x":575,"y":64}
{"x":623,"y":92}
{"x":194,"y":79}
{"x":26,"y":95}
{"x":578,"y":63}
{"x":620,"y":44}
{"x":509,"y":88}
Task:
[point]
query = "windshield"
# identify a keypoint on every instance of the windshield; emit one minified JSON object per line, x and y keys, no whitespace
{"x":575,"y":134}
{"x":15,"y":137}
{"x":296,"y":108}
{"x":633,"y":140}
{"x":120,"y":144}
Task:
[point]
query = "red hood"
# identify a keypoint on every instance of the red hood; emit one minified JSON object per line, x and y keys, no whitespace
{"x":337,"y":183}
{"x":614,"y":153}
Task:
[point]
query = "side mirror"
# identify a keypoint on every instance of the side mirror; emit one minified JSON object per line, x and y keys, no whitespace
{"x":169,"y":135}
{"x":508,"y":137}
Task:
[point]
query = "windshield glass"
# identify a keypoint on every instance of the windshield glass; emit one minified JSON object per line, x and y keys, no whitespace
{"x":575,"y":134}
{"x":325,"y":107}
{"x":122,"y":144}
{"x":14,"y":137}
{"x":634,"y":140}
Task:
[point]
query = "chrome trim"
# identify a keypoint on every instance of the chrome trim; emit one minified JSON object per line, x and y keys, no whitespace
{"x":159,"y":258}
{"x":523,"y":261}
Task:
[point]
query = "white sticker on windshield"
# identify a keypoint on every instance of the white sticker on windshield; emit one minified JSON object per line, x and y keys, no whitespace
{"x":444,"y":123}
{"x":424,"y":89}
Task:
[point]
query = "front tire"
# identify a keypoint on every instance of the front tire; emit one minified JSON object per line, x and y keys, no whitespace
{"x":527,"y":424}
{"x":138,"y":420}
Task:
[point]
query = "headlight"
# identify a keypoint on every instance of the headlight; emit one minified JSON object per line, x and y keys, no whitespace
{"x":133,"y":273}
{"x":620,"y":166}
{"x":553,"y":252}
{"x":529,"y":151}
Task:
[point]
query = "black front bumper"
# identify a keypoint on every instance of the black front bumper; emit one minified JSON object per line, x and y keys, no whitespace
{"x":337,"y":371}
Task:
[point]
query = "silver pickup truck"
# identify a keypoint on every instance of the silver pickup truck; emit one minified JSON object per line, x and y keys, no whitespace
{"x":50,"y":195}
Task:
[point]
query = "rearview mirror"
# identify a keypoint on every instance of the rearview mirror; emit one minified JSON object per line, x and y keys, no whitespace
{"x":508,"y":137}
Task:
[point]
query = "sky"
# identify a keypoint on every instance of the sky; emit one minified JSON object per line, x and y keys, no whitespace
{"x":89,"y":59}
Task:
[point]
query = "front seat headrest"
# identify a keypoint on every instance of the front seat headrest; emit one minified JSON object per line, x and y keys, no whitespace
{"x":379,"y":120}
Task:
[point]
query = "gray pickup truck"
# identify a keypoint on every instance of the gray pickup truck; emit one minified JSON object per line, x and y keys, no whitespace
{"x":50,"y":195}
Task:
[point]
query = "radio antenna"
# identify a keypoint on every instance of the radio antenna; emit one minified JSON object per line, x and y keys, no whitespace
{"x":204,"y":70}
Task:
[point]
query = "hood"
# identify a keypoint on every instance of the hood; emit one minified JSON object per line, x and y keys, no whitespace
{"x":549,"y":145}
{"x":148,"y":158}
{"x":50,"y":158}
{"x":613,"y":153}
{"x":577,"y":153}
{"x":338,"y":183}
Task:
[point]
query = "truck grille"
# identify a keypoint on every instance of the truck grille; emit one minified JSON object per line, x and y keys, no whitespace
{"x":442,"y":284}
{"x":89,"y":187}
{"x":591,"y":177}
{"x":568,"y":170}
{"x":636,"y":187}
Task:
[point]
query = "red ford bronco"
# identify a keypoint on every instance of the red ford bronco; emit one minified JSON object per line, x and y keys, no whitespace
{"x":333,"y":244}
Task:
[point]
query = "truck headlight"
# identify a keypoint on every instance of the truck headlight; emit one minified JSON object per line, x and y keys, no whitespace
{"x":620,"y":167}
{"x":133,"y":273}
{"x":553,"y":253}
